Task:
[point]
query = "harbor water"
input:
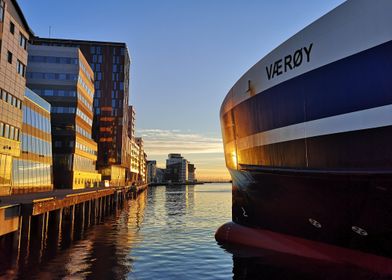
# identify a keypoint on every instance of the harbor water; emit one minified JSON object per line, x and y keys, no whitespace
{"x":165,"y":233}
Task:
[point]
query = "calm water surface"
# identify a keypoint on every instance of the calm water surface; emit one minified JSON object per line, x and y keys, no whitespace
{"x":167,"y":233}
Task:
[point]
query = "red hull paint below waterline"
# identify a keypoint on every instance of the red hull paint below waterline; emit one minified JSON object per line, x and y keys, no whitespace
{"x":232,"y":233}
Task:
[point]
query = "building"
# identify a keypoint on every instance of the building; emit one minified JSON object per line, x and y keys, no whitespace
{"x":151,"y":171}
{"x":160,"y":178}
{"x":110,"y":63}
{"x":155,"y":175}
{"x":179,"y":170}
{"x":137,"y":156}
{"x":32,"y":171}
{"x":176,"y":168}
{"x":131,"y":121}
{"x":14,"y":35}
{"x":133,"y":149}
{"x":191,"y":173}
{"x":142,"y":161}
{"x":134,"y":160}
{"x":63,"y":77}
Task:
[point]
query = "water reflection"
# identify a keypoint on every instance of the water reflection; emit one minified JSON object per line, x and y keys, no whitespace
{"x":99,"y":252}
{"x":175,"y":203}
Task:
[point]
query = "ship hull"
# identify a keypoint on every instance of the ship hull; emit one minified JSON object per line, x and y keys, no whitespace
{"x":308,"y":147}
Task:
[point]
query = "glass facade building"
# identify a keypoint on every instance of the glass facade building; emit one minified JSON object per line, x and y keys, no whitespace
{"x":110,"y":62}
{"x":32,"y":171}
{"x":62,"y":76}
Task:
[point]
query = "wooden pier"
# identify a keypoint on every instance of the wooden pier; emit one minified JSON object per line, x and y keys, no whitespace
{"x":44,"y":215}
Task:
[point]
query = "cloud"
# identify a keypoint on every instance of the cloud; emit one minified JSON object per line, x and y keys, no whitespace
{"x":205,"y":152}
{"x":163,"y":142}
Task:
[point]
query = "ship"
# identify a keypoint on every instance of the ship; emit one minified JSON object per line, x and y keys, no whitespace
{"x":307,"y":135}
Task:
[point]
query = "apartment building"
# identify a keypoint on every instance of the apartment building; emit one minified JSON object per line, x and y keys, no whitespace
{"x":63,"y":77}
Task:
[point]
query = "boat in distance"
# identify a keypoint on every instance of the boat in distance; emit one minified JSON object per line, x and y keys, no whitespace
{"x":307,"y":135}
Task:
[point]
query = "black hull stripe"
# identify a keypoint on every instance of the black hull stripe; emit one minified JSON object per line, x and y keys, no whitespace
{"x":285,"y":203}
{"x":359,"y":82}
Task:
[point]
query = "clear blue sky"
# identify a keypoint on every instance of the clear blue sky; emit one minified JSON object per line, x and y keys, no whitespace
{"x":185,"y":57}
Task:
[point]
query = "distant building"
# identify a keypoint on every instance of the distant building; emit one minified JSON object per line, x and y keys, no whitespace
{"x":14,"y":35}
{"x":191,"y":173}
{"x":133,"y":150}
{"x":131,"y":121}
{"x":151,"y":171}
{"x":176,"y":168}
{"x":32,"y":171}
{"x":63,"y":77}
{"x":134,"y":160}
{"x":142,"y":161}
{"x":110,"y":62}
{"x":160,"y":177}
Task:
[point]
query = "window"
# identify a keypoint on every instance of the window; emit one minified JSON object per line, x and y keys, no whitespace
{"x":1,"y":129}
{"x":1,"y":10}
{"x":16,"y":134}
{"x":6,"y":130}
{"x":49,"y":76}
{"x":21,"y":68}
{"x":12,"y":131}
{"x":48,"y":92}
{"x":12,"y":27}
{"x":9,"y":57}
{"x":64,"y":60}
{"x":22,"y":41}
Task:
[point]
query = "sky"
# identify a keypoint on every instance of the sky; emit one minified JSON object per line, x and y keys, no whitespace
{"x":185,"y":56}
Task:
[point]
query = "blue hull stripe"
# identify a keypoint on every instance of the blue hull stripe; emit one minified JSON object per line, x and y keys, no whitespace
{"x":358,"y":82}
